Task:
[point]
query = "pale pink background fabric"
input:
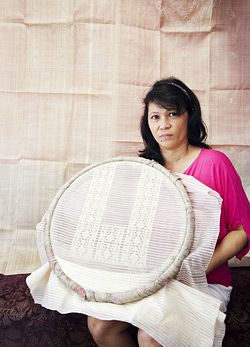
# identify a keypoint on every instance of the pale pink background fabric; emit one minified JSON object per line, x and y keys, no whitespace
{"x":72,"y":78}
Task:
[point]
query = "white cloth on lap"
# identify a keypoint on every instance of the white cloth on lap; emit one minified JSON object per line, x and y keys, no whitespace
{"x":182,"y":314}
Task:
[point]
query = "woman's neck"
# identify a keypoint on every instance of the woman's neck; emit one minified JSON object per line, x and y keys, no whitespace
{"x":180,"y":159}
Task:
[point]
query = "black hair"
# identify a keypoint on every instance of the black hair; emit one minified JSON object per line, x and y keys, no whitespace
{"x":171,"y":92}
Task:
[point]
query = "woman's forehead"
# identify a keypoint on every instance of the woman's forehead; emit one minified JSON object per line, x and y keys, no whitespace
{"x":156,"y":106}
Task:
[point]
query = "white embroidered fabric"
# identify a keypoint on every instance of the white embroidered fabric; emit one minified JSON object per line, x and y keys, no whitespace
{"x":185,"y":299}
{"x":95,"y":217}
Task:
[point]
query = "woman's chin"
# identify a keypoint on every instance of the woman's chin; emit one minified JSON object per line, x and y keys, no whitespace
{"x":167,"y":145}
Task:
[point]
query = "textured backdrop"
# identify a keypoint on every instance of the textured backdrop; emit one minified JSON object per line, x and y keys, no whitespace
{"x":72,"y":77}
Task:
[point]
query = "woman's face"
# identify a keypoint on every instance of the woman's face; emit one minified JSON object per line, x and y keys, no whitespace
{"x":168,"y":128}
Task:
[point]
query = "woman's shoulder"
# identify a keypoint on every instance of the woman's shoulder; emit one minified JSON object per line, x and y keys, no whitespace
{"x":215,"y":157}
{"x":219,"y":166}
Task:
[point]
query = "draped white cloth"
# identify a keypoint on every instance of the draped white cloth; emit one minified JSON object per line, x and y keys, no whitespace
{"x":182,"y":314}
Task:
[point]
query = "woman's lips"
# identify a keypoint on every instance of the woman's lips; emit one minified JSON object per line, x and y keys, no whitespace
{"x":165,"y":136}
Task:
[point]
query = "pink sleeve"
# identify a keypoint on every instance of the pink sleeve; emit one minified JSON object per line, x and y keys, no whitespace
{"x":235,"y":202}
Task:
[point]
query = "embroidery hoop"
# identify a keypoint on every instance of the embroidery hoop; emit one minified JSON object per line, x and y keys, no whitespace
{"x":164,"y":273}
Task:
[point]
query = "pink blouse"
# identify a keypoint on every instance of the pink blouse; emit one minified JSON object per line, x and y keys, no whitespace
{"x":214,"y":169}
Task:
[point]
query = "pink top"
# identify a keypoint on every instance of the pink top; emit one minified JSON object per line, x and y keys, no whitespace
{"x":214,"y":169}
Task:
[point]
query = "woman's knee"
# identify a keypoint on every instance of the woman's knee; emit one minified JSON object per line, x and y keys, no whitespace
{"x":98,"y":328}
{"x":146,"y":340}
{"x":102,"y":329}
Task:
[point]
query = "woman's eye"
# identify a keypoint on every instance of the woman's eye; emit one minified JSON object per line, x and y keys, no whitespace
{"x":154,"y":116}
{"x":172,"y":114}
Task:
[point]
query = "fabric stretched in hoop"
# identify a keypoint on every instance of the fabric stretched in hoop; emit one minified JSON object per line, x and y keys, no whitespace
{"x":127,"y":220}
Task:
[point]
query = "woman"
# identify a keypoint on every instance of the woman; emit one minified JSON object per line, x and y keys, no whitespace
{"x":174,"y":135}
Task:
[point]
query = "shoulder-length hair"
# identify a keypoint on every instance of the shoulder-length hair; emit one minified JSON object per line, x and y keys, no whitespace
{"x":171,"y":92}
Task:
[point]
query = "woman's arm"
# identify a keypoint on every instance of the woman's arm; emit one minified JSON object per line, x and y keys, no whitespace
{"x":232,"y":244}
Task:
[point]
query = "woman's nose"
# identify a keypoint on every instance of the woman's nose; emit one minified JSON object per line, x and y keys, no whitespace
{"x":165,"y":124}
